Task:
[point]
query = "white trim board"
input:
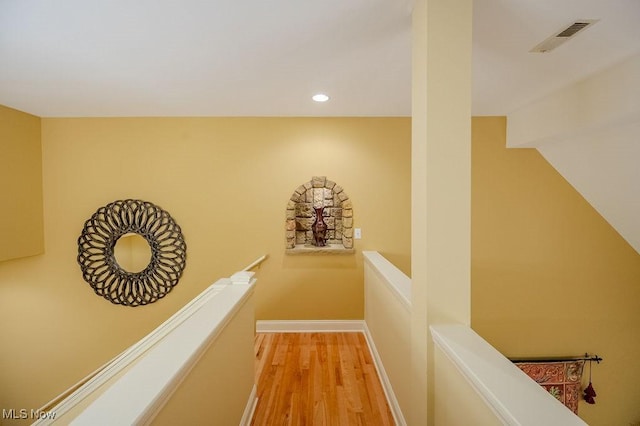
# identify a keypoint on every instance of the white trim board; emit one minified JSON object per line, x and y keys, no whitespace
{"x":302,"y":326}
{"x":250,"y":408}
{"x":332,"y":326}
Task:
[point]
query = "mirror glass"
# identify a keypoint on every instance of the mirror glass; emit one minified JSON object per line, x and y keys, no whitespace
{"x":132,"y":252}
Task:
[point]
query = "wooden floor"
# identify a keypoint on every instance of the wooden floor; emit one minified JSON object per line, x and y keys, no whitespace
{"x":317,"y":379}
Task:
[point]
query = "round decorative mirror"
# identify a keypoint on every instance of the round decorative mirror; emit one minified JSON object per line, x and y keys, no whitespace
{"x":131,"y":252}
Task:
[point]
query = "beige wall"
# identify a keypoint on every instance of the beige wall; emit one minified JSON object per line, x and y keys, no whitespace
{"x":550,"y":277}
{"x":226,"y":182}
{"x":21,"y":232}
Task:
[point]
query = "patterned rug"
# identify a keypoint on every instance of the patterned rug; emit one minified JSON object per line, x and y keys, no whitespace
{"x":561,"y":379}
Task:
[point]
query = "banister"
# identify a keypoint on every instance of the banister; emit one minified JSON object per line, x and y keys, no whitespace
{"x":394,"y":278}
{"x":513,"y":397}
{"x":141,"y":392}
{"x":84,"y":387}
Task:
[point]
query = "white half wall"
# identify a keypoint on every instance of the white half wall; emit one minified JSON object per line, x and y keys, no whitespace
{"x":590,"y":133}
{"x":387,"y":314}
{"x":477,"y":385}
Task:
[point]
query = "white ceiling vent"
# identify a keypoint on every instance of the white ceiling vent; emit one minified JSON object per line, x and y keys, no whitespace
{"x":563,"y":35}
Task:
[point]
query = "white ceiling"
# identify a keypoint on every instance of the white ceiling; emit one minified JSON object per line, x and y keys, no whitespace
{"x":506,"y":76}
{"x":266,"y":58}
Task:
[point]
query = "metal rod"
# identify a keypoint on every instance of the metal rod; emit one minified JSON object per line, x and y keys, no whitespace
{"x":256,"y":262}
{"x":586,"y":357}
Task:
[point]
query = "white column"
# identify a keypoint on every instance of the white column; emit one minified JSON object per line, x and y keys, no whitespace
{"x":441,"y":184}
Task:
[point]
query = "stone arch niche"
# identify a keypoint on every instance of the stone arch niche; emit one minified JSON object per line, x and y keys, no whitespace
{"x":338,"y":215}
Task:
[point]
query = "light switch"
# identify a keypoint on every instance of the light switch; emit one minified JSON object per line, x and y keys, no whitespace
{"x":357,"y":233}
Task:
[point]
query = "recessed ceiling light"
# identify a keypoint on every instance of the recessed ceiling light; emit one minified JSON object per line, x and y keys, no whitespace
{"x":320,"y":97}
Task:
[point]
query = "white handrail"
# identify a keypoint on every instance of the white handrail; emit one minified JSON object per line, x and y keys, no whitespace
{"x":65,"y":401}
{"x":144,"y":389}
{"x":394,"y":278}
{"x":117,"y":364}
{"x":513,"y":397}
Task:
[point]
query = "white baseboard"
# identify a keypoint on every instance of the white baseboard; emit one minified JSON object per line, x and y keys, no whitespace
{"x":302,"y":326}
{"x":384,"y":379}
{"x":250,"y":408}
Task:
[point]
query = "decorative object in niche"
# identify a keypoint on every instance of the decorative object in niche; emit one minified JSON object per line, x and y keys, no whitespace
{"x":98,"y":263}
{"x":319,"y":228}
{"x":336,"y":213}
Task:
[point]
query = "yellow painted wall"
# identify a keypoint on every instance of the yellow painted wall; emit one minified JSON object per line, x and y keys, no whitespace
{"x":550,"y":277}
{"x":226,"y":182}
{"x":21,"y":232}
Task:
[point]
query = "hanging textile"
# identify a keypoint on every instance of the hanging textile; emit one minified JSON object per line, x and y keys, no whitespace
{"x":562,"y":379}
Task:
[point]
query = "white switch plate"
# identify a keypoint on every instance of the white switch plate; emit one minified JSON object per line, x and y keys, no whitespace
{"x":357,"y":233}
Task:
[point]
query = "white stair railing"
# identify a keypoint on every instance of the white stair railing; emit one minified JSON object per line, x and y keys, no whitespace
{"x":81,"y":391}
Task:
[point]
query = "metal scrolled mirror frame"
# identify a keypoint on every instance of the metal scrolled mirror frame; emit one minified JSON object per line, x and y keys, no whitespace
{"x":98,"y":263}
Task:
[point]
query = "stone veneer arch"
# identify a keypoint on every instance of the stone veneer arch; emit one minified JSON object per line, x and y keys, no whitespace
{"x":338,"y":215}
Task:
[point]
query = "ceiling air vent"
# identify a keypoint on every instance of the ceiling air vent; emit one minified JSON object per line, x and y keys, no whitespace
{"x":563,"y":35}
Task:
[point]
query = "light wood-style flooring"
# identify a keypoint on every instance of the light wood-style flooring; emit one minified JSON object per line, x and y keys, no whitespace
{"x":317,"y":379}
